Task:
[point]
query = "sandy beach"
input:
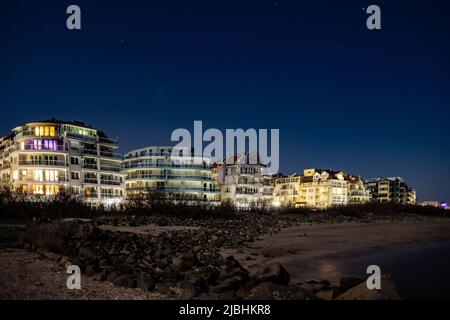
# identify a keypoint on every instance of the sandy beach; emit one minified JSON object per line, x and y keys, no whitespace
{"x":323,"y":251}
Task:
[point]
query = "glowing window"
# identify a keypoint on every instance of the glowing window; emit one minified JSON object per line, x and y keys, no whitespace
{"x":52,"y":131}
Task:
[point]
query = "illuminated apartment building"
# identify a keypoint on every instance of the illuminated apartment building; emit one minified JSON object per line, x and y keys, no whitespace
{"x":287,"y":191}
{"x":323,"y":188}
{"x":357,"y":193}
{"x":244,"y":184}
{"x":177,"y":175}
{"x":49,"y":158}
{"x":391,"y":189}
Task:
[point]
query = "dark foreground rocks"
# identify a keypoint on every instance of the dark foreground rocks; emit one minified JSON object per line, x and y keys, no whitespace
{"x":185,"y":264}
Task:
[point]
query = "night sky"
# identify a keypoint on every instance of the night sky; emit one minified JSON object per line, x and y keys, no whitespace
{"x":371,"y":103}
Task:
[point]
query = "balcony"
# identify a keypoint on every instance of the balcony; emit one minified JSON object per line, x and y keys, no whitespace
{"x":92,"y":166}
{"x":110,"y":196}
{"x":165,"y":165}
{"x":168,"y":177}
{"x":111,"y":155}
{"x":31,"y":148}
{"x":173,"y":189}
{"x":37,"y":181}
{"x":104,"y":140}
{"x":5,"y":166}
{"x":43,"y":163}
{"x":91,"y":180}
{"x":91,"y":195}
{"x":80,"y":136}
{"x":90,"y":152}
{"x":110,"y":182}
{"x":110,"y":168}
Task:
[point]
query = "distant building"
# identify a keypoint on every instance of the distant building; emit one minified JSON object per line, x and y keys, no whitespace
{"x":52,"y":157}
{"x":287,"y":191}
{"x":391,"y":189}
{"x":177,"y":174}
{"x":435,"y":204}
{"x":357,"y":193}
{"x":243,"y":183}
{"x":323,"y":188}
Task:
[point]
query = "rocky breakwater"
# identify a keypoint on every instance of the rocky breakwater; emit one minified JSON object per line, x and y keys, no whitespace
{"x":184,"y":264}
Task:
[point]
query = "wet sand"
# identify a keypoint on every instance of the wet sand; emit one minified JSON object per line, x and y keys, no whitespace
{"x":335,"y":250}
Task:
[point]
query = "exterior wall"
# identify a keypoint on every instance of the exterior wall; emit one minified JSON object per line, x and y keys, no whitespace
{"x":157,"y":170}
{"x":244,"y":184}
{"x":391,"y":189}
{"x":287,"y":191}
{"x":357,"y":193}
{"x":323,"y":189}
{"x":51,"y":158}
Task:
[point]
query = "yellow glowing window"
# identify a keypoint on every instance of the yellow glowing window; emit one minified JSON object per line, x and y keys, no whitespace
{"x":52,"y":131}
{"x":46,"y":131}
{"x":36,"y":131}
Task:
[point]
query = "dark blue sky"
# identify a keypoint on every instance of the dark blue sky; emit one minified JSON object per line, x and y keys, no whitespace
{"x":373,"y":103}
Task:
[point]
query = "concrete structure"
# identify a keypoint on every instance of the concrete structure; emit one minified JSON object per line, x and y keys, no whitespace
{"x":243,"y":183}
{"x":177,"y":174}
{"x":52,"y":157}
{"x":323,"y":189}
{"x":357,"y":193}
{"x":391,"y":189}
{"x":287,"y":191}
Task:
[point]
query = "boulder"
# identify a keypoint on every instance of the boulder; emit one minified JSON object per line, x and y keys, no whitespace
{"x":388,"y":291}
{"x":124,"y":281}
{"x":273,"y":272}
{"x":271,"y":291}
{"x":145,"y":281}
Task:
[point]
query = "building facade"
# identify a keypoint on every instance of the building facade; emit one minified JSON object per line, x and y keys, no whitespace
{"x":323,"y":189}
{"x":243,"y":182}
{"x":391,"y":189}
{"x":357,"y":193}
{"x":286,"y":191}
{"x":52,"y":157}
{"x":175,"y":173}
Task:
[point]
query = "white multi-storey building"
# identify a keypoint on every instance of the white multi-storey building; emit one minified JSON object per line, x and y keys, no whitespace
{"x":52,"y":157}
{"x":178,"y":174}
{"x":244,"y":183}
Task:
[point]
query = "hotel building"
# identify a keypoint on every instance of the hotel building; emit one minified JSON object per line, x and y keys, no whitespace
{"x":175,"y":173}
{"x":391,"y":189}
{"x":243,"y":183}
{"x":52,"y":157}
{"x":357,"y":193}
{"x":323,"y":189}
{"x":286,"y":191}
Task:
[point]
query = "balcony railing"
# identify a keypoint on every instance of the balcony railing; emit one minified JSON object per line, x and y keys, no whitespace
{"x":173,"y":177}
{"x":91,"y":195}
{"x":173,"y":189}
{"x":56,"y":180}
{"x":110,"y":182}
{"x":5,"y":166}
{"x":108,"y":141}
{"x":80,"y":136}
{"x":110,"y":196}
{"x":90,"y":152}
{"x":53,"y":163}
{"x":91,"y":180}
{"x":112,"y":155}
{"x":42,"y":148}
{"x":110,"y":168}
{"x":166,"y":165}
{"x":93,"y":166}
